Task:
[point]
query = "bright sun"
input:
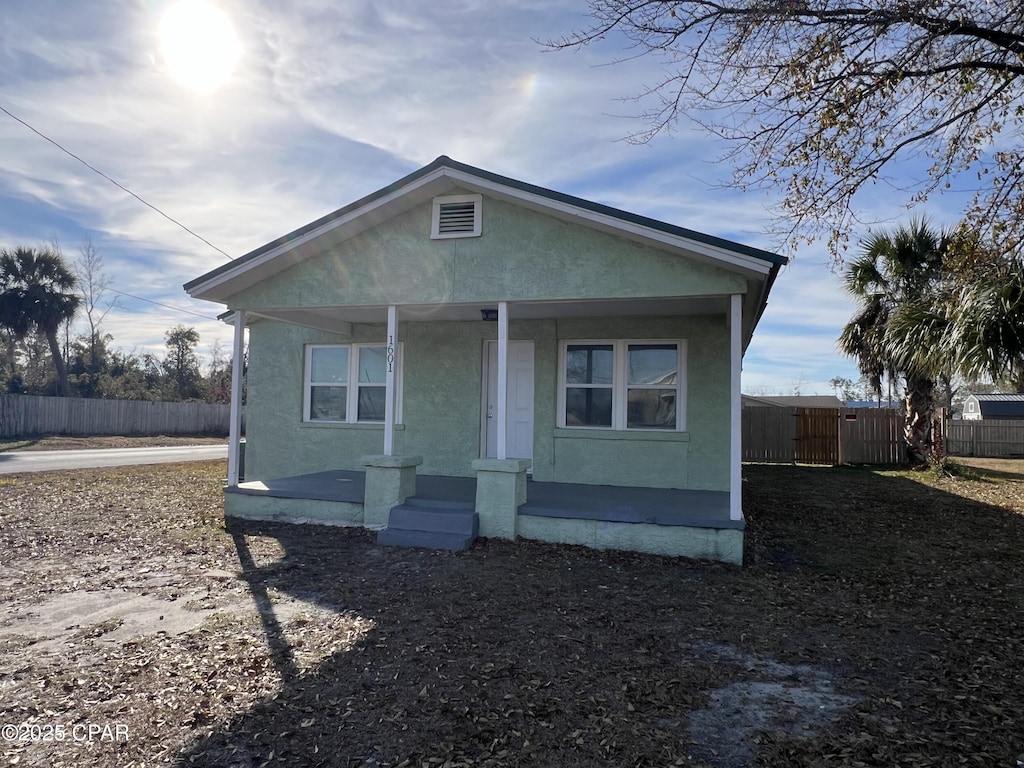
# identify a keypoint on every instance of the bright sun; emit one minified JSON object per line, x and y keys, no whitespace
{"x":199,"y":45}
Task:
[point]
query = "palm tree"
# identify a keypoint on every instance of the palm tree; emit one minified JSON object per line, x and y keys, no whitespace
{"x":897,"y":274}
{"x":986,"y":334}
{"x":975,"y":321}
{"x":36,"y":293}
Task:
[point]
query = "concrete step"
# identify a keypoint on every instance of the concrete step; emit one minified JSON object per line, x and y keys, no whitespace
{"x":433,"y":524}
{"x":428,"y":503}
{"x":396,"y":537}
{"x":434,"y":518}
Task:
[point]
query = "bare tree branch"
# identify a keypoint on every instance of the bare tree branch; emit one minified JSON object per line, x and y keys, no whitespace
{"x":820,"y":98}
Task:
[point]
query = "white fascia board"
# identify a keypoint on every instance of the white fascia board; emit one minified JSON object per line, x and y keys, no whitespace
{"x":261,"y":260}
{"x":713,"y":252}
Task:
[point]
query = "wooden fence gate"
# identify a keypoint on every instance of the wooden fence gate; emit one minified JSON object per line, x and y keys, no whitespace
{"x":817,"y":436}
{"x":823,"y":435}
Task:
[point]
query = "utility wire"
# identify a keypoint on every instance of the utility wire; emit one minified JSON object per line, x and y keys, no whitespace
{"x":116,"y":184}
{"x":168,"y":306}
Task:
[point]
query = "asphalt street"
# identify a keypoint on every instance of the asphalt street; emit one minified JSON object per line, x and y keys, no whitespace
{"x":42,"y":461}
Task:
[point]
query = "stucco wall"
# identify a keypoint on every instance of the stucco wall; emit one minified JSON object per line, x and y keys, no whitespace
{"x":442,"y":396}
{"x":278,"y":443}
{"x":521,"y":255}
{"x":697,"y":458}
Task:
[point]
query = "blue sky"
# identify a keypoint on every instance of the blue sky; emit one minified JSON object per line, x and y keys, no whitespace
{"x":328,"y":101}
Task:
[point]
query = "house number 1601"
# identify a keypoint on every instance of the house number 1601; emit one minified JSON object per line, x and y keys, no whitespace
{"x":391,"y":353}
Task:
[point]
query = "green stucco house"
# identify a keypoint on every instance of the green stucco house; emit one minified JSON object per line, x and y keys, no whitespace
{"x":463,"y":354}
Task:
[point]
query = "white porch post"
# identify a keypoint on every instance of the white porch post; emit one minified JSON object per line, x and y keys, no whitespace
{"x":389,"y":382}
{"x":735,"y":407}
{"x":235,"y":427}
{"x":502,"y":379}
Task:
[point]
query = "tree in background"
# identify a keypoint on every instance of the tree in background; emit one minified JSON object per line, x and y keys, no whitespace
{"x":93,"y":287}
{"x":862,"y":389}
{"x":218,"y":378}
{"x":976,"y":322}
{"x":819,"y":99}
{"x":181,"y":364}
{"x":896,"y":270}
{"x":986,"y":332}
{"x":37,"y":294}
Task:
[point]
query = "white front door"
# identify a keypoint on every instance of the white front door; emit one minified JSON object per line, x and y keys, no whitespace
{"x":519,"y":425}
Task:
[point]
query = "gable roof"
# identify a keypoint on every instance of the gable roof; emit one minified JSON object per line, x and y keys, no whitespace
{"x":999,"y":405}
{"x":443,"y":175}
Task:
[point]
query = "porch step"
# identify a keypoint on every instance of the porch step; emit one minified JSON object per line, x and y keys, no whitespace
{"x":433,"y":524}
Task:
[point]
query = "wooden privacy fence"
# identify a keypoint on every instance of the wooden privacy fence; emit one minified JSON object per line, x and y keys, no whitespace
{"x":984,"y":438}
{"x":823,"y":435}
{"x":26,"y":416}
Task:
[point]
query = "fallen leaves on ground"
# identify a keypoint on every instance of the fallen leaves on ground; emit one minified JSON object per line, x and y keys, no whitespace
{"x":889,"y":603}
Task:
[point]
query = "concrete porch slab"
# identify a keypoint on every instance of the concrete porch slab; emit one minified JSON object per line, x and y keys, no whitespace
{"x":618,"y":504}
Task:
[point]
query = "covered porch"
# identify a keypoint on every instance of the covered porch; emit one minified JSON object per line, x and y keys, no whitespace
{"x":690,"y":523}
{"x":445,"y":476}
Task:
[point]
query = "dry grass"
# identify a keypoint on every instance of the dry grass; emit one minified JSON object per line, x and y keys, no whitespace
{"x":878,"y":621}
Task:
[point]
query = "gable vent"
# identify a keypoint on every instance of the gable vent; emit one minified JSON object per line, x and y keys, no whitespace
{"x":456,"y":216}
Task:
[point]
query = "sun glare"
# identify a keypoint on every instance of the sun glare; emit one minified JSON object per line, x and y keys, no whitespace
{"x":199,"y":45}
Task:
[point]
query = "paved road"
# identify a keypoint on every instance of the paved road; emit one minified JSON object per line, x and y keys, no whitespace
{"x":39,"y":461}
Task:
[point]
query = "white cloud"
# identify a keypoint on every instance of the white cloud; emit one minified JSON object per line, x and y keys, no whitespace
{"x":329,"y":102}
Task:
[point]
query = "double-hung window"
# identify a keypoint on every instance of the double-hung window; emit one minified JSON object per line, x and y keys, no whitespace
{"x":623,"y":385}
{"x":346,"y":382}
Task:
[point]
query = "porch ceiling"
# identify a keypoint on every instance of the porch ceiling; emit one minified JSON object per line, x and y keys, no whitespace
{"x":340,"y":319}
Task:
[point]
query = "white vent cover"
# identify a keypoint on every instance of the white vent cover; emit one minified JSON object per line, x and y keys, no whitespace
{"x":456,"y":216}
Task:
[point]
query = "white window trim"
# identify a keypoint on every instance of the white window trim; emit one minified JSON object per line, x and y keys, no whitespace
{"x":619,"y":386}
{"x":353,"y":383}
{"x":435,"y":219}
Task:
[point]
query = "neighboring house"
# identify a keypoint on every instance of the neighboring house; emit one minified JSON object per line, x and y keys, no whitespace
{"x":502,"y":358}
{"x":793,"y":401}
{"x":988,"y":407}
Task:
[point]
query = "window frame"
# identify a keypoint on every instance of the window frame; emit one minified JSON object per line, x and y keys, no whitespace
{"x":620,"y":386}
{"x":352,"y":383}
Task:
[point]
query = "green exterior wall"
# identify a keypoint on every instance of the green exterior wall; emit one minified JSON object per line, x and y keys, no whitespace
{"x":442,"y":375}
{"x":522,"y":255}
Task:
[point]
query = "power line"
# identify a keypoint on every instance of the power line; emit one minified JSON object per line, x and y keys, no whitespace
{"x":115,"y":183}
{"x":159,"y":304}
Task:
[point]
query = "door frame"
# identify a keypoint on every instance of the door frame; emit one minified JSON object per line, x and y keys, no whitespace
{"x":485,"y":382}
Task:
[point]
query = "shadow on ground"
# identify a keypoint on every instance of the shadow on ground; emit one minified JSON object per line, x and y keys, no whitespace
{"x":878,"y":619}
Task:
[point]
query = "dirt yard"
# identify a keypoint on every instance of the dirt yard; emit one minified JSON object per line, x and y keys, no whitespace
{"x":879,"y":621}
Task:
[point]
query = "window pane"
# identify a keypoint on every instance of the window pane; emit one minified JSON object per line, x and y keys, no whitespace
{"x":329,"y":365}
{"x":651,"y":409}
{"x":652,"y":364}
{"x":327,"y":403}
{"x":588,"y":407}
{"x":372,"y":364}
{"x":371,"y":403}
{"x":588,"y":364}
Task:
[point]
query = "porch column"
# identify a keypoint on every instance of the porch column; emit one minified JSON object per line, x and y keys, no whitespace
{"x":735,"y":407}
{"x":502,"y":380}
{"x":235,"y":426}
{"x":389,"y":383}
{"x":500,"y":491}
{"x":390,"y":480}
